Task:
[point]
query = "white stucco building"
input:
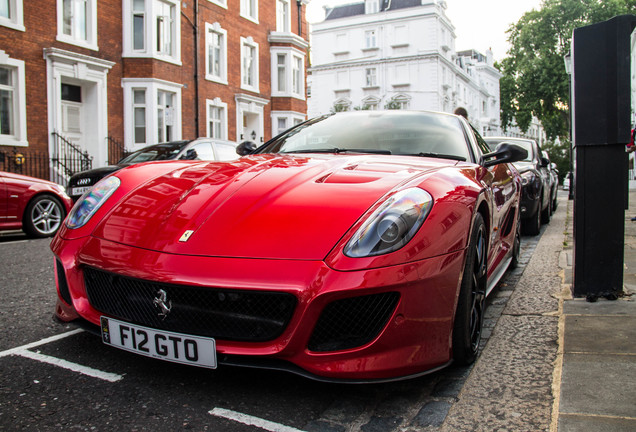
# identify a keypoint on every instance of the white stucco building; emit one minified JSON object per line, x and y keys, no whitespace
{"x":376,"y":54}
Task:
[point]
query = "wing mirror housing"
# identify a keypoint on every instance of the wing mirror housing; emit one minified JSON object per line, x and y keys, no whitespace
{"x":505,"y":152}
{"x":245,"y":148}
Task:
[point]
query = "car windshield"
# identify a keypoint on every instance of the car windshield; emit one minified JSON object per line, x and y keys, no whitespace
{"x":527,"y":145}
{"x":164,"y":151}
{"x":384,"y":132}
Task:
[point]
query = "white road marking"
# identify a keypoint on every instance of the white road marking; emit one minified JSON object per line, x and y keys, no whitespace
{"x":13,"y":351}
{"x":85,"y":370}
{"x":23,"y":351}
{"x":251,"y":421}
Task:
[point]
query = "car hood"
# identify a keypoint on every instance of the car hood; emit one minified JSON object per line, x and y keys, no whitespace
{"x":94,"y":174}
{"x":261,"y":206}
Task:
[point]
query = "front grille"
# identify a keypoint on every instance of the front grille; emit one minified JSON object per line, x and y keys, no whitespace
{"x":352,"y":322}
{"x":229,"y":314}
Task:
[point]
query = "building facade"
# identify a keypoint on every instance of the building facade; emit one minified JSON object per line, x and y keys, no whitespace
{"x":89,"y":76}
{"x":378,"y":54}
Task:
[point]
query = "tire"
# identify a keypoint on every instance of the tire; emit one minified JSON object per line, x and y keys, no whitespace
{"x":532,"y":225}
{"x":516,"y":245}
{"x":546,"y":214}
{"x":469,"y":316}
{"x":43,"y":216}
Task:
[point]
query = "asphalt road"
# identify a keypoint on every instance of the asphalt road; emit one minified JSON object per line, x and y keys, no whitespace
{"x":56,"y":377}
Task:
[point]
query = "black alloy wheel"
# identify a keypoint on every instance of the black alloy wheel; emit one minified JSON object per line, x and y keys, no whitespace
{"x":546,"y":214}
{"x":469,"y":317}
{"x":516,"y":243}
{"x":532,"y":225}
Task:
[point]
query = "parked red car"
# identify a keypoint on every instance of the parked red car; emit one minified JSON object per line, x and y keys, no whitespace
{"x":35,"y":206}
{"x":356,"y":246}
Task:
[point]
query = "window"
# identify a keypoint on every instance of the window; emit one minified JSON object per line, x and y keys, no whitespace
{"x":216,"y":53}
{"x":139,"y":113}
{"x":297,"y":82}
{"x":164,"y":35}
{"x":400,"y":36}
{"x":217,"y":119}
{"x":283,"y":16}
{"x":152,"y":29}
{"x":12,"y":101}
{"x":371,"y":6}
{"x":283,"y":120}
{"x":371,"y":103}
{"x":370,"y":39}
{"x":249,"y":64}
{"x":77,"y":22}
{"x":371,"y":77}
{"x":11,"y":14}
{"x":222,"y":3}
{"x":152,"y":112}
{"x":288,"y":72}
{"x":249,"y":10}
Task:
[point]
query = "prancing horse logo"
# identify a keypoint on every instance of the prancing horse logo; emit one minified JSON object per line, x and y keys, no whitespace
{"x":163,"y":304}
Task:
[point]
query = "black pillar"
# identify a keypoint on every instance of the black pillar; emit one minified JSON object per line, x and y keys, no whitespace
{"x":601,"y":129}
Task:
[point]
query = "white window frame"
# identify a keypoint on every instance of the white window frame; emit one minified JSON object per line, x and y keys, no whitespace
{"x":151,"y":9}
{"x":292,"y":118}
{"x":15,"y":20}
{"x":216,"y":103}
{"x":220,"y":3}
{"x":246,"y":5}
{"x":255,"y":77}
{"x":370,"y":39}
{"x":371,"y":77}
{"x":209,"y":75}
{"x":371,"y":6}
{"x":283,"y":16}
{"x":152,"y":88}
{"x":90,"y":41}
{"x":294,"y":76}
{"x":19,"y":136}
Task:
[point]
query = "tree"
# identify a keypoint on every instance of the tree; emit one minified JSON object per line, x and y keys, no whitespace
{"x":534,"y":80}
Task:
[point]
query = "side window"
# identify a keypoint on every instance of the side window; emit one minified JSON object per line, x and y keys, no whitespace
{"x":480,"y":142}
{"x":225,"y":152}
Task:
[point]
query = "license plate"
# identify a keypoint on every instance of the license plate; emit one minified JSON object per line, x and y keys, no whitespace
{"x":164,"y":345}
{"x":80,"y":190}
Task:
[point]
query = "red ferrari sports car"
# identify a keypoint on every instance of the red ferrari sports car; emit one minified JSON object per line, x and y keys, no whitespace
{"x":356,"y":246}
{"x":35,"y":206}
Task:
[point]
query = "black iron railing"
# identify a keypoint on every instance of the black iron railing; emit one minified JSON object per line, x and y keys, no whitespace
{"x":67,"y":159}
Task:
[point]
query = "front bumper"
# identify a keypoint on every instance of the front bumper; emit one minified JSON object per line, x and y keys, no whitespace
{"x":415,"y":336}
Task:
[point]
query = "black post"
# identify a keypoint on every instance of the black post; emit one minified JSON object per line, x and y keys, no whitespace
{"x":602,"y":94}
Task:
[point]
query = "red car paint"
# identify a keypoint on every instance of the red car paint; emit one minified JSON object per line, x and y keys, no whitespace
{"x":280,"y":223}
{"x":16,"y":191}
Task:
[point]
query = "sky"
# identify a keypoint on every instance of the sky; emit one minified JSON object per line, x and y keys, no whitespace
{"x":479,"y":24}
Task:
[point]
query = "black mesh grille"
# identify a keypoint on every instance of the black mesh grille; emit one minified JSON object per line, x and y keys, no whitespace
{"x":352,"y":322}
{"x":62,"y":284}
{"x":228,"y":314}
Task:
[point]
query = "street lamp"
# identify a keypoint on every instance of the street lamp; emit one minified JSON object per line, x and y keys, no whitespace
{"x":567,"y":60}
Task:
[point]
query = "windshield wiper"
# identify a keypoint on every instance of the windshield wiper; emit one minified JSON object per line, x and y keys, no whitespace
{"x":339,"y":150}
{"x":438,"y":155}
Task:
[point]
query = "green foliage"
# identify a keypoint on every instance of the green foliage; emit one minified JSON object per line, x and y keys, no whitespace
{"x":559,"y":152}
{"x":534,"y":78}
{"x":392,"y":105}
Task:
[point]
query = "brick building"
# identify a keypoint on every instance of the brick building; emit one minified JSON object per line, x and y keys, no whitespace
{"x":99,"y":76}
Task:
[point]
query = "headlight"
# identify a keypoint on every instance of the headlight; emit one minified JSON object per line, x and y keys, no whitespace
{"x":91,"y":201}
{"x":527,"y":177}
{"x":392,"y":225}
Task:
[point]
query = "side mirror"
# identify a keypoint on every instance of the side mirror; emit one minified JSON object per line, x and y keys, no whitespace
{"x":505,"y":152}
{"x":245,"y":148}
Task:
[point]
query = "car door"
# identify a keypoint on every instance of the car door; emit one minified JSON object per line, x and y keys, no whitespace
{"x":4,"y":198}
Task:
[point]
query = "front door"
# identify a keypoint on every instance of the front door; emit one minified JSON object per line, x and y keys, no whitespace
{"x":73,"y":115}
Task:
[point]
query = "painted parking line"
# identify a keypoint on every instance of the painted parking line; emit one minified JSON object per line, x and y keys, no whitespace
{"x":251,"y":420}
{"x":23,"y":351}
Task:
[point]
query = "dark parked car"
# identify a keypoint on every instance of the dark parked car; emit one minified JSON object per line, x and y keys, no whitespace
{"x":536,"y":181}
{"x":35,"y":206}
{"x":198,"y":149}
